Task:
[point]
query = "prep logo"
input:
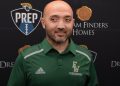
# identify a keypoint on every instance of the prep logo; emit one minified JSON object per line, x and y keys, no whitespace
{"x":26,"y":19}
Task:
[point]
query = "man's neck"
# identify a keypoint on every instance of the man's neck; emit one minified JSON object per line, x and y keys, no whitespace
{"x":60,"y":47}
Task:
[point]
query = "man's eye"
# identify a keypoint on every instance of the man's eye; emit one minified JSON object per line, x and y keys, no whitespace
{"x":68,"y":20}
{"x":54,"y":19}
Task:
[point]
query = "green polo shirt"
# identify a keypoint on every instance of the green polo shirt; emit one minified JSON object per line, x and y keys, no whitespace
{"x":42,"y":65}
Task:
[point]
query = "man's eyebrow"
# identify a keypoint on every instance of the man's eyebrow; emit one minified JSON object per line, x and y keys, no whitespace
{"x":68,"y":16}
{"x":54,"y":16}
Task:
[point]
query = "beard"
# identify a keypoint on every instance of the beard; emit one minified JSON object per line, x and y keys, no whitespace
{"x":59,"y":39}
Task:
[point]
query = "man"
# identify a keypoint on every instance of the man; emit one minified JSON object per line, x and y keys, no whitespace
{"x":56,"y":61}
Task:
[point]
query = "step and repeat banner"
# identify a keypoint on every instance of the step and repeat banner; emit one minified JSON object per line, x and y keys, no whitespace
{"x":96,"y":26}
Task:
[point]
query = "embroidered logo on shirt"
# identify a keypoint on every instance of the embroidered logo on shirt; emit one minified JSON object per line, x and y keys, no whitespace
{"x":40,"y":71}
{"x":75,"y":69}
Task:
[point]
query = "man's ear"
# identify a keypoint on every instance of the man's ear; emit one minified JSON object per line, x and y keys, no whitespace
{"x":43,"y":22}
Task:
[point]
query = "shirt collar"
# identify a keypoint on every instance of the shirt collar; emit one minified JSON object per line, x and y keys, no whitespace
{"x":47,"y":47}
{"x":72,"y":47}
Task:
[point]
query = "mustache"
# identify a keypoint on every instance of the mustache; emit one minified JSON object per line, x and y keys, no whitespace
{"x":60,"y":31}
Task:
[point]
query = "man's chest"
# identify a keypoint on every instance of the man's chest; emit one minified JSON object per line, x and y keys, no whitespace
{"x":56,"y":70}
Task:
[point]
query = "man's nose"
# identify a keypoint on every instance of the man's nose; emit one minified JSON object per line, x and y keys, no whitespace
{"x":61,"y":25}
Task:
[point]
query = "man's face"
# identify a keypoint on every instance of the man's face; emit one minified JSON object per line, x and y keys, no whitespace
{"x":58,"y":24}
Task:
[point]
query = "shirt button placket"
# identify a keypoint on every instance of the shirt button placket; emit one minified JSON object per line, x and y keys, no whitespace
{"x":60,"y":62}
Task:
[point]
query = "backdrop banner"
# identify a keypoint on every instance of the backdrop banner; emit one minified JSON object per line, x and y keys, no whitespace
{"x":96,"y":26}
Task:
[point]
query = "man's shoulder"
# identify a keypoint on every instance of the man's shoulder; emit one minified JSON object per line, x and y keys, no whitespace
{"x":80,"y":47}
{"x":83,"y":50}
{"x":31,"y":50}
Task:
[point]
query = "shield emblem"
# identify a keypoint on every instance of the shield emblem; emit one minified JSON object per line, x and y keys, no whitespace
{"x":26,"y":20}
